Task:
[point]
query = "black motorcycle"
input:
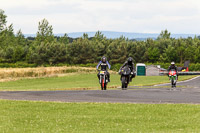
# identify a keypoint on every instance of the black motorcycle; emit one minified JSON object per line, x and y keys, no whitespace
{"x":125,"y":77}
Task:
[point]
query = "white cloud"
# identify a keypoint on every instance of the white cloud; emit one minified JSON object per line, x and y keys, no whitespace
{"x":178,"y":16}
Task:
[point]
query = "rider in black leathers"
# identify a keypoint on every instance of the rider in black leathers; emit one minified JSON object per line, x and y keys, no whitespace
{"x":173,"y":67}
{"x":131,"y":65}
{"x":104,"y":64}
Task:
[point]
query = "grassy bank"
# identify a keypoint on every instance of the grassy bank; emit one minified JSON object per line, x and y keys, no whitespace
{"x":75,"y":81}
{"x":46,"y":117}
{"x":13,"y":73}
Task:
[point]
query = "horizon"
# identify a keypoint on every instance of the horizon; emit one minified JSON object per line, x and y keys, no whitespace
{"x":120,"y":32}
{"x":113,"y":35}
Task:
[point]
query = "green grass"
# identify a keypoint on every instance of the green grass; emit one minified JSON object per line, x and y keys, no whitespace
{"x":78,"y":81}
{"x":153,"y":80}
{"x":52,"y":117}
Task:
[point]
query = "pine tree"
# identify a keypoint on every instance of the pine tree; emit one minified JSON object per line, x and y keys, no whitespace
{"x":45,"y":32}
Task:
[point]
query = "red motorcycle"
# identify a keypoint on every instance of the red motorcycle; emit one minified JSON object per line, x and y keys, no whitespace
{"x":173,"y":77}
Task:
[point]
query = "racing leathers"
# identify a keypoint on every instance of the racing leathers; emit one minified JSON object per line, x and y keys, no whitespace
{"x":104,"y":67}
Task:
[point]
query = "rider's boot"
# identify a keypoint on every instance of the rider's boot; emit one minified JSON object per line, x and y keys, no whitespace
{"x":131,"y":77}
{"x":108,"y":78}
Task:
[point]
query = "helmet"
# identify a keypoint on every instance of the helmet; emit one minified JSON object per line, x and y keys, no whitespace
{"x":173,"y":63}
{"x":130,"y":60}
{"x":103,"y":59}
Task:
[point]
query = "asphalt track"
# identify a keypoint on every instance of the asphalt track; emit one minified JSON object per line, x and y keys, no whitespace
{"x":186,"y":92}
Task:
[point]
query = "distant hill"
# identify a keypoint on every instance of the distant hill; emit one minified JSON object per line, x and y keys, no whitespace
{"x":129,"y":35}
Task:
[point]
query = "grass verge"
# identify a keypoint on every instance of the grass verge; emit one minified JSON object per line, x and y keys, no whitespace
{"x":16,"y":73}
{"x":29,"y":116}
{"x":79,"y":82}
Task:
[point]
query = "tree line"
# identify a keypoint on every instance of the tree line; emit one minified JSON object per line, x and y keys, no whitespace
{"x":46,"y":48}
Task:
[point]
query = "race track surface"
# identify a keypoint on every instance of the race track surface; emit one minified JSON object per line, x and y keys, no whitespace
{"x":186,"y":92}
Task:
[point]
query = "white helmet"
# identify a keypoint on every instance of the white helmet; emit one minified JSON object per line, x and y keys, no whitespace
{"x":172,"y":63}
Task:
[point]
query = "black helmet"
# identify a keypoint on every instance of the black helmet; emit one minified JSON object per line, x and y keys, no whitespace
{"x":103,"y":59}
{"x":130,"y":60}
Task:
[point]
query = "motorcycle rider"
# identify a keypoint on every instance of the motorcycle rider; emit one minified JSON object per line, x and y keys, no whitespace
{"x":173,"y":67}
{"x":104,"y":64}
{"x":131,"y":65}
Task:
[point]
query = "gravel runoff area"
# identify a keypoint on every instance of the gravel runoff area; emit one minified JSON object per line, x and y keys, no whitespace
{"x":185,"y":92}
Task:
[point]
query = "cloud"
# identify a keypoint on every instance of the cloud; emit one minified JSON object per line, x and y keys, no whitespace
{"x":178,"y":16}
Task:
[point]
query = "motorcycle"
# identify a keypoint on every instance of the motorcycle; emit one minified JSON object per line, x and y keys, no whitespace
{"x":103,"y":79}
{"x":173,"y":77}
{"x":125,"y":77}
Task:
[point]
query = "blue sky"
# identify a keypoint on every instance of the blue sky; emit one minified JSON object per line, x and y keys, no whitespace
{"x":143,"y":16}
